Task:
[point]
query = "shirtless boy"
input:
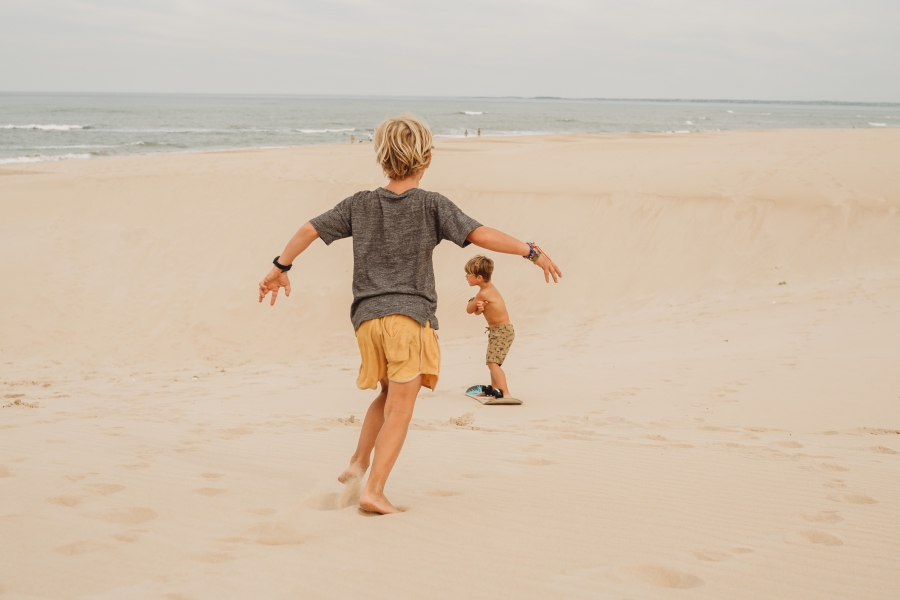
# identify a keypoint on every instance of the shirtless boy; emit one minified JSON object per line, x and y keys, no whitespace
{"x":395,"y":230}
{"x":489,"y":302}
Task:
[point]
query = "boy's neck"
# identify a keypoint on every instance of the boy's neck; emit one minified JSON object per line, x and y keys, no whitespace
{"x":484,"y":285}
{"x":399,"y":186}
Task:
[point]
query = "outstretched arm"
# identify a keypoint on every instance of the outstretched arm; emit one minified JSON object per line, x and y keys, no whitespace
{"x":492,"y":239}
{"x":276,"y":279}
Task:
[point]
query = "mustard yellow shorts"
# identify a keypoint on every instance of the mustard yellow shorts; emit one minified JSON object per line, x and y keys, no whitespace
{"x":398,"y":348}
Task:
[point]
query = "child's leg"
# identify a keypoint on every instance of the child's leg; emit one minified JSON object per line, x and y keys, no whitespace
{"x":372,"y":424}
{"x":498,"y":378}
{"x":398,"y":411}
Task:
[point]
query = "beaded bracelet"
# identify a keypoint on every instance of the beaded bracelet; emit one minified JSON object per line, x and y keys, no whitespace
{"x":534,"y":252}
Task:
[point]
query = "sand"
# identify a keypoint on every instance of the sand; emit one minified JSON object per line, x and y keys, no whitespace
{"x":712,"y":393}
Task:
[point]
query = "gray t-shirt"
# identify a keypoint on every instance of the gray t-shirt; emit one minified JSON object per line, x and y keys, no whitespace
{"x":393,"y":239}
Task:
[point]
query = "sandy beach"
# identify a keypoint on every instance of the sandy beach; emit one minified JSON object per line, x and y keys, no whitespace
{"x":711,"y":394}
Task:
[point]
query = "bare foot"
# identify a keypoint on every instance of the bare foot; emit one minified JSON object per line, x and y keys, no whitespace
{"x":377,"y":503}
{"x":354,"y":471}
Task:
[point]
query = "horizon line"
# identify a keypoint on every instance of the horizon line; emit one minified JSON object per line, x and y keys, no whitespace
{"x":425,"y":97}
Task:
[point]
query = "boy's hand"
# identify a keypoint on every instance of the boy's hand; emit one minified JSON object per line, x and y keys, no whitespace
{"x":272,"y":282}
{"x":480,"y":306}
{"x":549,"y":267}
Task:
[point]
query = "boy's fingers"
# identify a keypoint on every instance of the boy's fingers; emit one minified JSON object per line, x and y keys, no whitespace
{"x":287,"y":289}
{"x":274,"y":295}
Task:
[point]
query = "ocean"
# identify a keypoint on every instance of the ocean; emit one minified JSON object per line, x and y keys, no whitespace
{"x":41,"y":127}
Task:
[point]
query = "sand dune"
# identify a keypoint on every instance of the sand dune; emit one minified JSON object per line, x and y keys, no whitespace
{"x":712,"y":398}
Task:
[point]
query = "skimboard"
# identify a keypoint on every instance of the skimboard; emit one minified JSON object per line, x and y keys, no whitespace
{"x":473,"y":392}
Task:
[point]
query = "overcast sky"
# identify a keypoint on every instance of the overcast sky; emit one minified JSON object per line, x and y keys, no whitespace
{"x":736,"y":49}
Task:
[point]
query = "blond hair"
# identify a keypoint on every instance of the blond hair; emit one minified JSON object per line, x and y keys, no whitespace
{"x":480,"y":265}
{"x":403,"y":146}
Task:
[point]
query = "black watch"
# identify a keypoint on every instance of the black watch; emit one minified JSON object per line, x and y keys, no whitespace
{"x":283,"y":268}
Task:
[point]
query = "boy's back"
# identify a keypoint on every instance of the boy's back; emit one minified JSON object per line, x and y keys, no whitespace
{"x":393,"y":239}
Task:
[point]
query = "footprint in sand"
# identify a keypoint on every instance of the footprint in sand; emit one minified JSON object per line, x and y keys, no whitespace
{"x":210,"y":491}
{"x":4,"y":472}
{"x":128,"y":537}
{"x":667,"y":577}
{"x":823,"y":516}
{"x":441,"y":493}
{"x":463,"y":421}
{"x":884,"y":450}
{"x":279,"y":534}
{"x":65,"y":500}
{"x":81,"y":548}
{"x":131,"y":516}
{"x":859,"y":499}
{"x":833,"y":467}
{"x":712,"y":555}
{"x":211,"y":475}
{"x":105,"y":489}
{"x":789,"y":444}
{"x":233,"y":432}
{"x":820,"y":537}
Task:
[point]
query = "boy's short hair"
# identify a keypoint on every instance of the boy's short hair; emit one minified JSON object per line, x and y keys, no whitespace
{"x":480,"y":265}
{"x":403,"y":146}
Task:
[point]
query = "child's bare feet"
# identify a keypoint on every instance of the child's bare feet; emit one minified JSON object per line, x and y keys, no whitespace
{"x":354,"y":471}
{"x":376,"y":503}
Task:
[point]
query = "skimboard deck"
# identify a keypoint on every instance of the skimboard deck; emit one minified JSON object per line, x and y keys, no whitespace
{"x":473,"y":392}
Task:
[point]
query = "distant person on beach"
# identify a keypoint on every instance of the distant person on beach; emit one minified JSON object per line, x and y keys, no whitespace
{"x":352,"y":138}
{"x":395,"y":230}
{"x":479,"y":132}
{"x":467,"y":133}
{"x":489,"y":302}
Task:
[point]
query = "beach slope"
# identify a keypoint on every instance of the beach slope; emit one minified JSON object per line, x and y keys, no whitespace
{"x":712,"y":398}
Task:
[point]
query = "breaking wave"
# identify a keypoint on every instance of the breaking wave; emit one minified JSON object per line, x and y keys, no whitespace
{"x":51,"y":127}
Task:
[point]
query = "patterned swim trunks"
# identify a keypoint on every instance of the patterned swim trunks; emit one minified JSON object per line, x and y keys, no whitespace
{"x":500,"y":338}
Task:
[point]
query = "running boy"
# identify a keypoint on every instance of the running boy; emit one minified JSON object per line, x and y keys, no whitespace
{"x":489,"y":302}
{"x":395,"y":230}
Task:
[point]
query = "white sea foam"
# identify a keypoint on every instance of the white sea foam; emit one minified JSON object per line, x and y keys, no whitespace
{"x":50,"y":127}
{"x":878,"y":124}
{"x":326,"y":130}
{"x":730,"y":111}
{"x":473,"y":112}
{"x":33,"y":158}
{"x":72,"y":147}
{"x":90,"y":146}
{"x":688,"y":123}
